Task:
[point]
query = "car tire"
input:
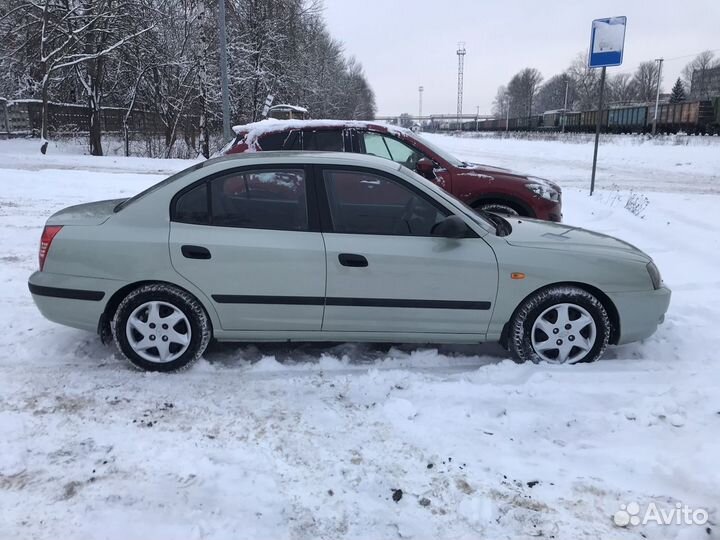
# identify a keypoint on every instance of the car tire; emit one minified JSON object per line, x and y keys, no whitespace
{"x":498,"y":208}
{"x":159,"y":327}
{"x":560,"y":324}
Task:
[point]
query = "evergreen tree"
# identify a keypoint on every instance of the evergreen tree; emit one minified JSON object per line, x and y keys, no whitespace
{"x":678,"y":92}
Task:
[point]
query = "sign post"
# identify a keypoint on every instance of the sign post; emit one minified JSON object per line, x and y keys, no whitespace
{"x":607,"y":42}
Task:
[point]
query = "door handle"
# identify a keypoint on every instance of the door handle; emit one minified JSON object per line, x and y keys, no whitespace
{"x":195,"y":252}
{"x":350,"y":259}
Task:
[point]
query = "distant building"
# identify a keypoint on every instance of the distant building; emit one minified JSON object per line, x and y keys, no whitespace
{"x":705,"y":83}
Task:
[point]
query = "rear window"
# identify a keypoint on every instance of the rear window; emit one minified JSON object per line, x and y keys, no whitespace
{"x":157,"y":186}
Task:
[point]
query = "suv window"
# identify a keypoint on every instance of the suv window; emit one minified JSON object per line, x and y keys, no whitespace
{"x":262,"y":199}
{"x":274,"y":141}
{"x":391,"y":148}
{"x":328,"y":140}
{"x":365,"y":203}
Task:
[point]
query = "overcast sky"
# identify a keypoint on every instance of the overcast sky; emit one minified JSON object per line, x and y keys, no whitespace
{"x":406,"y":43}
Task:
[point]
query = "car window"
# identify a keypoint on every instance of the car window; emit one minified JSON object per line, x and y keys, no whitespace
{"x":327,"y":140}
{"x":365,"y":203}
{"x":391,"y":148}
{"x":192,"y":206}
{"x":375,"y":145}
{"x":273,"y":141}
{"x":262,"y":199}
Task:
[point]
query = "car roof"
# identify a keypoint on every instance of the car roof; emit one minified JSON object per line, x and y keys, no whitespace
{"x":256,"y":130}
{"x":302,"y":157}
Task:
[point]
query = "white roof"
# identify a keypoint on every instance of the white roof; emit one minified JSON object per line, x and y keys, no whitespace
{"x":256,"y":130}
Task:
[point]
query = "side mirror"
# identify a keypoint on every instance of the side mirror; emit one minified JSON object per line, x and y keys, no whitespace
{"x":425,"y":167}
{"x":450,"y":227}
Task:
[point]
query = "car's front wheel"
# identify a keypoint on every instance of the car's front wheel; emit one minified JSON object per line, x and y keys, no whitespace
{"x":498,"y":208}
{"x":159,"y":327}
{"x":560,"y":325}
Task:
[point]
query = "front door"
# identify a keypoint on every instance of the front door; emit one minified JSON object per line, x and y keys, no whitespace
{"x":386,"y":273}
{"x":247,"y":238}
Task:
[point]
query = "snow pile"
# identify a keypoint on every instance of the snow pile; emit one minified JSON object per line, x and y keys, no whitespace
{"x":362,"y":441}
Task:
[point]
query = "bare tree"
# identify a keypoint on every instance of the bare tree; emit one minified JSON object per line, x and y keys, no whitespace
{"x":587,"y":82}
{"x":621,"y":89}
{"x":522,"y":90}
{"x":645,"y":81}
{"x":501,"y":102}
{"x":551,"y":95}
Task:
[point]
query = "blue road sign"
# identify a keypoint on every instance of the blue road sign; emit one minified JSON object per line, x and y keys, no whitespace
{"x":607,"y":41}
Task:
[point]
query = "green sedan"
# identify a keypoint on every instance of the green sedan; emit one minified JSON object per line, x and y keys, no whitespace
{"x":334,"y":247}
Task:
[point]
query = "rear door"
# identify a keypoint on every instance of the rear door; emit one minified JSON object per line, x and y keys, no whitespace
{"x":386,"y":273}
{"x":251,"y":241}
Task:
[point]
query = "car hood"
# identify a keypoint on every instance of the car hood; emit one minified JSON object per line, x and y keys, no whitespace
{"x":556,"y":236}
{"x":491,"y":172}
{"x":94,"y":213}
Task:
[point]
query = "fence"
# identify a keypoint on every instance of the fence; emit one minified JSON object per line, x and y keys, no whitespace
{"x":24,"y":117}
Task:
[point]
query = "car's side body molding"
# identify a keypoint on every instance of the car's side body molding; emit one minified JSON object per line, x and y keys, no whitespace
{"x":73,"y":294}
{"x":358,"y":302}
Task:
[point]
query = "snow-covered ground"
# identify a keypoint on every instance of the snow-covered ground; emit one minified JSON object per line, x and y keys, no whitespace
{"x":313,"y":441}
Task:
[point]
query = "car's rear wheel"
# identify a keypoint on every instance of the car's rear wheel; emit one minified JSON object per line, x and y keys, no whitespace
{"x":560,"y":325}
{"x":159,"y":327}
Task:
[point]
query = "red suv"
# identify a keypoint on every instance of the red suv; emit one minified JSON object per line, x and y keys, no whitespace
{"x":480,"y":186}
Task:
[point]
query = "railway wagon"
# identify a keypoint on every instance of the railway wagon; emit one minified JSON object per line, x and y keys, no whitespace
{"x":588,"y":120}
{"x":691,"y":117}
{"x":627,"y":119}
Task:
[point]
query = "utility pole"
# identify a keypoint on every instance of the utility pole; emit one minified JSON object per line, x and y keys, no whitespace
{"x":461,"y":64}
{"x":477,"y":116}
{"x":657,"y":96}
{"x":564,"y":116}
{"x":222,"y":31}
{"x":507,"y":115}
{"x":420,"y":92}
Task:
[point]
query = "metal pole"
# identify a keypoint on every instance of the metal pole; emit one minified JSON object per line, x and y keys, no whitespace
{"x":564,"y":116}
{"x":420,"y":92}
{"x":222,"y":30}
{"x":597,"y":130}
{"x":657,"y":96}
{"x":477,"y":116}
{"x":507,"y":115}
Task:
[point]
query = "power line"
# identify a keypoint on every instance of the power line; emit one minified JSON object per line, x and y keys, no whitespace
{"x":692,"y":55}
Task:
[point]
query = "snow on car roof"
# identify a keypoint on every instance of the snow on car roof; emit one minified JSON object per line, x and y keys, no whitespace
{"x":256,"y":130}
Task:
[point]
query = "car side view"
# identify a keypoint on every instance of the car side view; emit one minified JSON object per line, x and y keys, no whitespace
{"x":481,"y":186}
{"x":314,"y":246}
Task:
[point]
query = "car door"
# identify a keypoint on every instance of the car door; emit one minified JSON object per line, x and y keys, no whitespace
{"x":386,"y":273}
{"x":249,"y":239}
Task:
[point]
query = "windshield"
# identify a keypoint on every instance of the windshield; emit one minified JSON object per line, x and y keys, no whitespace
{"x":455,"y":162}
{"x":154,"y":187}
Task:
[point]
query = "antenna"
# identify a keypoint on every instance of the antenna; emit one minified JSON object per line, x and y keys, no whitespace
{"x":461,"y":66}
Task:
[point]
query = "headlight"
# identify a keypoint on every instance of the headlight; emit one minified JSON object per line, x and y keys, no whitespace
{"x":545,"y":191}
{"x":654,"y":275}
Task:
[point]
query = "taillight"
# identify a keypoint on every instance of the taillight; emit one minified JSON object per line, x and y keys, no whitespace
{"x":46,"y":239}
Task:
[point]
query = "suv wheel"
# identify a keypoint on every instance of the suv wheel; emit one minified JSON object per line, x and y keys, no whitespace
{"x":498,"y":208}
{"x":559,"y":325}
{"x":161,"y":328}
